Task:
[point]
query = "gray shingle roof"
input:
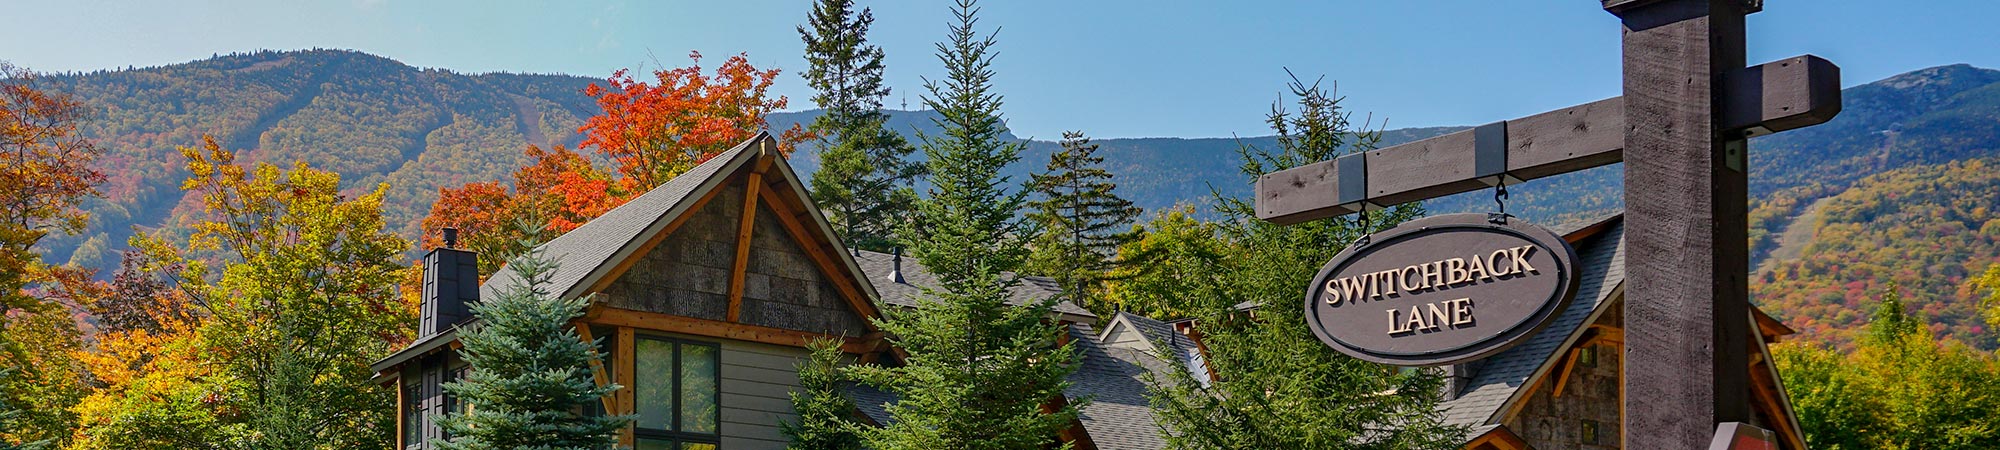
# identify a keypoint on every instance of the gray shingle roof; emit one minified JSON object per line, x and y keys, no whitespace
{"x":879,"y":265}
{"x":1119,"y":416}
{"x":1155,"y":332}
{"x":1499,"y":377}
{"x":873,"y":403}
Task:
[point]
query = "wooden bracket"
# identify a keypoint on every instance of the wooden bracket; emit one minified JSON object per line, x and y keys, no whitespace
{"x":751,"y":187}
{"x":596,"y":365}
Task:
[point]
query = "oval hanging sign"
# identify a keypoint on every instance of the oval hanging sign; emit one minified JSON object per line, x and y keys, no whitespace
{"x":1441,"y":290}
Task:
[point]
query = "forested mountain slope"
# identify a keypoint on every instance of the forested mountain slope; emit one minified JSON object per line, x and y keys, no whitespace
{"x":372,"y":119}
{"x":376,"y":120}
{"x":1926,"y":228}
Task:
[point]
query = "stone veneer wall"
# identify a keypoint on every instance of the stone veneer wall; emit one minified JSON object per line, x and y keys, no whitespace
{"x":1591,"y":395}
{"x":688,"y":274}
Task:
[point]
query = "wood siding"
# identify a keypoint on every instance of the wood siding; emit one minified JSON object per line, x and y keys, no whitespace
{"x":688,"y":275}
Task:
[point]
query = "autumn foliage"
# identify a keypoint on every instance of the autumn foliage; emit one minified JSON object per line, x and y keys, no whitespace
{"x":651,"y":130}
{"x":659,"y":129}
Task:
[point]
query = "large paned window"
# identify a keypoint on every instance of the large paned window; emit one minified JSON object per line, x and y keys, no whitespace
{"x":675,"y":384}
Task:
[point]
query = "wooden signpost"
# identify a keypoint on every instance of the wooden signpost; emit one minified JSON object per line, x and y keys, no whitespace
{"x":1689,"y":105}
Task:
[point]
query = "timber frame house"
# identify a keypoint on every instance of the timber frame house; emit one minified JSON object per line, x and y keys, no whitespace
{"x":705,"y":291}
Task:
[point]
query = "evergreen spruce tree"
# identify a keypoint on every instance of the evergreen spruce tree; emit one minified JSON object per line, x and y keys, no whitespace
{"x":979,"y":370}
{"x":1080,"y":223}
{"x":825,"y":413}
{"x":1281,"y":387}
{"x":530,"y":380}
{"x":864,"y":172}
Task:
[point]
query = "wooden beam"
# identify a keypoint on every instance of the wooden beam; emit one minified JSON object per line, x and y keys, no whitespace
{"x":597,"y":374}
{"x":401,"y":410}
{"x":788,"y":217}
{"x":751,"y":186}
{"x":725,"y":330}
{"x":1499,"y":438}
{"x":626,"y":367}
{"x":1568,"y":365}
{"x":1686,"y":231}
{"x":1781,"y":95}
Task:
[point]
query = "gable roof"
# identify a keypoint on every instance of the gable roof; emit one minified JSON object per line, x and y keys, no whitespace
{"x":591,"y":252}
{"x":1120,"y":413}
{"x":588,"y":253}
{"x":880,"y":266}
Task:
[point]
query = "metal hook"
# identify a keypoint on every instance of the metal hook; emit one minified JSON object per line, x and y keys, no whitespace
{"x":1499,"y":198}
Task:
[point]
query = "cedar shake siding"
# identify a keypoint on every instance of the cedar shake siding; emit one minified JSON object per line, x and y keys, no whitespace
{"x":688,"y":275}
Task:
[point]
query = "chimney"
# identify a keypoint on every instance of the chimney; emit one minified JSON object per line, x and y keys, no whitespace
{"x":896,"y":272}
{"x":451,"y":283}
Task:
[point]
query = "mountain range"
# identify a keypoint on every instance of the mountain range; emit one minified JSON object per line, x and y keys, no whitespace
{"x":376,"y":120}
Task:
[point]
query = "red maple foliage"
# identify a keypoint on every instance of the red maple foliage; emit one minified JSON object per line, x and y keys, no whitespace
{"x":652,"y":130}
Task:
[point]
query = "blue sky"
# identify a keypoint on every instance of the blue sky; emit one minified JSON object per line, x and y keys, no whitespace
{"x":1113,"y":68}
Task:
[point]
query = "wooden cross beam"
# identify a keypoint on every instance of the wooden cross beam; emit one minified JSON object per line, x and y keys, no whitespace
{"x":1681,"y":129}
{"x":1791,"y":93}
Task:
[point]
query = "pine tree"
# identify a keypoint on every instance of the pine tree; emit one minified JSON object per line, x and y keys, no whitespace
{"x":825,"y":412}
{"x":864,"y":173}
{"x":1279,"y":386}
{"x":1080,"y":223}
{"x":530,"y":379}
{"x":979,"y":371}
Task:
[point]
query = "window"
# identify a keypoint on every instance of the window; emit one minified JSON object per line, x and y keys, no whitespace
{"x":413,"y":415}
{"x":674,"y":391}
{"x":452,"y":405}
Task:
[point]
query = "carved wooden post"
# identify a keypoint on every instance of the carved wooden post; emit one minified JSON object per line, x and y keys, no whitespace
{"x":1686,"y":300}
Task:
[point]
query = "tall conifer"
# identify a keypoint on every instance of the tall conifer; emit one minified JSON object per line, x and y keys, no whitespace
{"x":530,"y":380}
{"x":1279,"y":386}
{"x":979,"y":371}
{"x":1080,"y":222}
{"x":864,"y":173}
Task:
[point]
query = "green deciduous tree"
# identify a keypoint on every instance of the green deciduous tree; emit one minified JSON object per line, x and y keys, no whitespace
{"x":301,"y":301}
{"x":1080,"y":224}
{"x":1279,"y":387}
{"x":979,"y":371}
{"x":1989,"y":284}
{"x":1898,"y":389}
{"x":530,"y":382}
{"x":1180,"y":252}
{"x":864,"y":173}
{"x":9,"y":417}
{"x":826,"y":415}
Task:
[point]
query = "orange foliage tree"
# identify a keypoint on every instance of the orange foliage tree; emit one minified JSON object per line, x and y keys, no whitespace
{"x":45,"y":175}
{"x":658,"y":130}
{"x":652,"y":131}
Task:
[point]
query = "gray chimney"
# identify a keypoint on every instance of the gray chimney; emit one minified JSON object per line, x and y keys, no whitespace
{"x":451,"y":283}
